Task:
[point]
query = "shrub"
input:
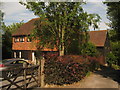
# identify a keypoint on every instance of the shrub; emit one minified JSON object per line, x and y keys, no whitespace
{"x":116,"y":67}
{"x":111,"y":59}
{"x":115,"y":47}
{"x":89,"y":49}
{"x":67,"y":69}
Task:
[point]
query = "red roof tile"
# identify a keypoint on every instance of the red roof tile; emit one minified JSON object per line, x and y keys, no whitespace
{"x":26,"y":28}
{"x":98,"y":38}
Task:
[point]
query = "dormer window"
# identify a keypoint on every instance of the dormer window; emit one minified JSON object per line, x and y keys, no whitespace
{"x":16,"y":39}
{"x":22,"y":39}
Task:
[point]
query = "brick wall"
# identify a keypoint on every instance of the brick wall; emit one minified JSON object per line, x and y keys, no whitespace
{"x":101,"y":60}
{"x":23,"y":45}
{"x":27,"y":45}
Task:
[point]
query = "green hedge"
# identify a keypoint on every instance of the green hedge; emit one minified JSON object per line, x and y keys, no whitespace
{"x":67,"y":69}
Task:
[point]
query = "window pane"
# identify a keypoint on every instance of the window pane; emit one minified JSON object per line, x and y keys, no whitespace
{"x":28,"y":40}
{"x":21,"y":39}
{"x":16,"y":39}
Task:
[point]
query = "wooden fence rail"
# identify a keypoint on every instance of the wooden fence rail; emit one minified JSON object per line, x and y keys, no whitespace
{"x":25,"y":75}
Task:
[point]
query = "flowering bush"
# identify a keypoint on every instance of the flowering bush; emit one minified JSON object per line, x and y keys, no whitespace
{"x":67,"y":69}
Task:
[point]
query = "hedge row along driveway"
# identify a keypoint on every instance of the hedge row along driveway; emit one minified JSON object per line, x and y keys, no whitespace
{"x":67,"y":69}
{"x":104,"y":78}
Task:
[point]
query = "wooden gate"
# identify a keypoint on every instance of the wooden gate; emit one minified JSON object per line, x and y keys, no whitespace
{"x":22,"y":78}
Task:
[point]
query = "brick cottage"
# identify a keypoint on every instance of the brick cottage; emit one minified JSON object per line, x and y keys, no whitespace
{"x":25,"y":48}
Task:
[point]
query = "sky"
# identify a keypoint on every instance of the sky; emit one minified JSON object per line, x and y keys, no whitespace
{"x":15,"y":12}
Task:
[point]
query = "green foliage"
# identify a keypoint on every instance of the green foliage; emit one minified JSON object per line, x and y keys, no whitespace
{"x":60,"y":23}
{"x":89,"y":49}
{"x":1,"y":22}
{"x":6,"y":45}
{"x":12,"y":28}
{"x":112,"y":35}
{"x":113,"y":12}
{"x":115,"y":46}
{"x":111,"y":59}
{"x":7,"y":39}
{"x":116,"y":67}
{"x":1,"y":18}
{"x":114,"y":56}
{"x":67,"y":69}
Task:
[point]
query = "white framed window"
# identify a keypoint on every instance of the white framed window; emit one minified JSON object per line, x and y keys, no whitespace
{"x":28,"y":40}
{"x":16,"y":39}
{"x":22,"y":39}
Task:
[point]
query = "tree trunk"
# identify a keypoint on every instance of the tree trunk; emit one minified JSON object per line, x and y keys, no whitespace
{"x":62,"y":49}
{"x":62,"y":35}
{"x":61,"y":53}
{"x":61,"y":42}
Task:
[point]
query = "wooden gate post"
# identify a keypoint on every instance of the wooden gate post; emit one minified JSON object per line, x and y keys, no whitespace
{"x":39,"y":73}
{"x":24,"y":74}
{"x":42,"y":74}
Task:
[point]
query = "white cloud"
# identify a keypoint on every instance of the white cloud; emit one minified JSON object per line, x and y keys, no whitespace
{"x":100,"y":9}
{"x":12,"y":7}
{"x":94,"y":1}
{"x":15,"y":12}
{"x":103,"y":26}
{"x":9,"y":0}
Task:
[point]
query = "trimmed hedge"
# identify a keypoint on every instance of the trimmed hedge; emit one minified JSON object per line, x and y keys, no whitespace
{"x":67,"y":69}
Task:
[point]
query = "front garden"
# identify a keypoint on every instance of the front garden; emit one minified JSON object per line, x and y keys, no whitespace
{"x":68,"y":69}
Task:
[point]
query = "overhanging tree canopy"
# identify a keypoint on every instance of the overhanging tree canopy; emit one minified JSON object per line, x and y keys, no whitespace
{"x":113,"y":12}
{"x":7,"y":39}
{"x":61,"y":23}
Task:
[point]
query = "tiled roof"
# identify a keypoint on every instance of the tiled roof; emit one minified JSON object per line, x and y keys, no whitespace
{"x":26,"y":28}
{"x":96,"y":37}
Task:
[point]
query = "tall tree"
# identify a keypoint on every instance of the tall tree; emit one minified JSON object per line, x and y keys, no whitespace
{"x":1,"y":18}
{"x":7,"y":39}
{"x":1,"y":22}
{"x":1,"y":15}
{"x":113,"y":12}
{"x":61,"y":23}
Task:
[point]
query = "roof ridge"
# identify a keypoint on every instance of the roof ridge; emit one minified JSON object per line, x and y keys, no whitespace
{"x":35,"y":18}
{"x":98,"y":30}
{"x":32,"y":20}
